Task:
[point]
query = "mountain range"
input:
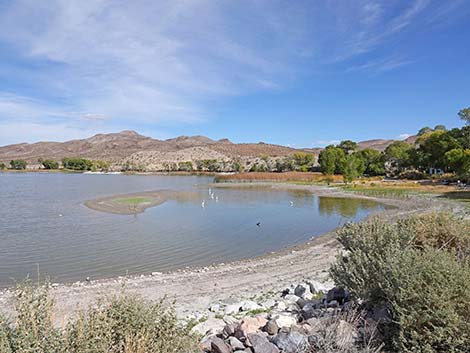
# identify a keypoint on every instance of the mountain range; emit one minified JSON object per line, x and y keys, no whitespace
{"x":131,"y":147}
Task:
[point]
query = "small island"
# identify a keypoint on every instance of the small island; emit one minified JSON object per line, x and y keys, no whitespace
{"x":128,"y":204}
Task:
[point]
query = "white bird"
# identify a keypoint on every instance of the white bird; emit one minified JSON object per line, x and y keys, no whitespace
{"x":216,"y":199}
{"x":212,"y":196}
{"x":210,"y":191}
{"x":292,"y":204}
{"x":203,"y":203}
{"x":60,"y":214}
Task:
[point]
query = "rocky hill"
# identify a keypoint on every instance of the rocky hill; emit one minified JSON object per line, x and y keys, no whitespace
{"x":131,"y":148}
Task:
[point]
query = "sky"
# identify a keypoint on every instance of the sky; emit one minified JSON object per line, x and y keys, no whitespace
{"x":298,"y":73}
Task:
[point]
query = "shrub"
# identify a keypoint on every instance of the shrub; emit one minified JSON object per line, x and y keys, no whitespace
{"x":122,"y":324}
{"x":418,"y":269}
{"x":76,"y":163}
{"x":18,"y":164}
{"x":49,"y":163}
{"x":129,"y":324}
{"x":3,"y":166}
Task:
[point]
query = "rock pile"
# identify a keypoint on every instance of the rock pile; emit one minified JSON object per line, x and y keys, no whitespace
{"x":304,"y":317}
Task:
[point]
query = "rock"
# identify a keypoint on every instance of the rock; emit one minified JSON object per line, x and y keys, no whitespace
{"x":290,"y":342}
{"x":233,"y":308}
{"x":250,"y":306}
{"x":206,"y":343}
{"x":291,"y":298}
{"x":311,"y":309}
{"x":211,"y":324}
{"x":299,"y":290}
{"x":229,"y":330}
{"x":268,"y":303}
{"x":281,"y":306}
{"x":303,"y":290}
{"x":250,"y":325}
{"x":229,"y":319}
{"x":318,"y":287}
{"x":285,"y":320}
{"x":219,"y":346}
{"x":214,"y":308}
{"x":236,"y":344}
{"x":271,"y":327}
{"x":339,"y":294}
{"x":261,"y":344}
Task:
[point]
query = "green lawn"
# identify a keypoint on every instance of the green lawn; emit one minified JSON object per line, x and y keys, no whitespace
{"x":133,"y":200}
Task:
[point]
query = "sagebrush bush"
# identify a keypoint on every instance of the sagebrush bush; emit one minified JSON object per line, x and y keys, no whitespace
{"x":418,"y":269}
{"x":122,"y":324}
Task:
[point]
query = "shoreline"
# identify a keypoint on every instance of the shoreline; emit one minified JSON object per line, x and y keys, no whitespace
{"x":196,"y":288}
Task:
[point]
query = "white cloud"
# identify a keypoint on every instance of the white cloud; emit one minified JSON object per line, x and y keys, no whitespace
{"x":404,"y":136}
{"x":323,"y":143}
{"x":165,"y":62}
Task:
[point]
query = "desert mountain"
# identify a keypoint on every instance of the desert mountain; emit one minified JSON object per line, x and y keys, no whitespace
{"x":131,"y":147}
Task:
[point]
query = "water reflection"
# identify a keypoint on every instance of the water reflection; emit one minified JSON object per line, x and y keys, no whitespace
{"x":346,"y":207}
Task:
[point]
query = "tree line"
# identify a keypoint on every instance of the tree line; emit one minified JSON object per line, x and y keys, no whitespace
{"x":436,"y":151}
{"x":71,"y":163}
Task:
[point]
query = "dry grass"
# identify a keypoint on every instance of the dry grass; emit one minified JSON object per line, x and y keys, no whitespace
{"x":296,"y":177}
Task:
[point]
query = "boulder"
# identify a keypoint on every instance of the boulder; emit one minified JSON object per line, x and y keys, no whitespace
{"x":285,"y":320}
{"x":236,"y":344}
{"x":219,"y":346}
{"x":233,"y":308}
{"x":303,"y":291}
{"x":250,"y":325}
{"x":311,"y":309}
{"x":271,"y":327}
{"x":212,"y":324}
{"x":261,"y":344}
{"x":206,"y":343}
{"x":290,"y":342}
{"x":250,"y":306}
{"x":268,"y":303}
{"x":339,"y":294}
{"x":319,"y":287}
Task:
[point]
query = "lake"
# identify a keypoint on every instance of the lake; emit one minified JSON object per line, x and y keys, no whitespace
{"x":44,"y":224}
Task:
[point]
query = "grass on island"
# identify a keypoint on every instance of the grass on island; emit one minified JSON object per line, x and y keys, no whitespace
{"x":133,"y":200}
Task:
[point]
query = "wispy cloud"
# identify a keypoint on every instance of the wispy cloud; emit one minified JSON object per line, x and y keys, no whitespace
{"x":404,"y":136}
{"x":165,"y":62}
{"x":323,"y":143}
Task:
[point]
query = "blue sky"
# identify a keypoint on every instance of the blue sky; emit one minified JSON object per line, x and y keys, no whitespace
{"x":300,"y":73}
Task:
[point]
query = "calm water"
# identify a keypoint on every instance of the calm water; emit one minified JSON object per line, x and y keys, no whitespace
{"x":43,"y":221}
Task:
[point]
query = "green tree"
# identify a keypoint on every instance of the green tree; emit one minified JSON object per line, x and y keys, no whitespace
{"x":351,"y":167}
{"x":458,"y":161}
{"x":329,"y":160}
{"x":236,"y":166}
{"x":303,"y":161}
{"x":18,"y":164}
{"x":440,"y":128}
{"x":373,"y":161}
{"x":397,"y":156}
{"x":76,"y":163}
{"x":185,"y":166}
{"x":433,"y":147}
{"x":424,"y":130}
{"x":348,"y":146}
{"x":464,"y":114}
{"x":49,"y":163}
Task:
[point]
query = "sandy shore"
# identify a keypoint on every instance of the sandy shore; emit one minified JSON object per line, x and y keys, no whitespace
{"x":194,"y":289}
